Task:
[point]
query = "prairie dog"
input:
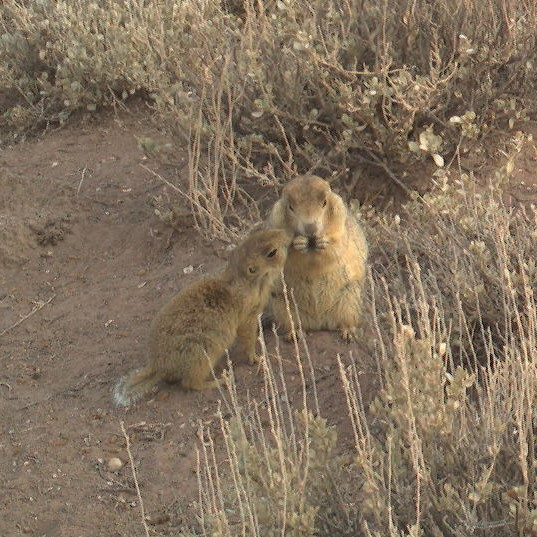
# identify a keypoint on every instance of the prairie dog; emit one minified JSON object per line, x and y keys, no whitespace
{"x":191,"y":333}
{"x":326,"y":264}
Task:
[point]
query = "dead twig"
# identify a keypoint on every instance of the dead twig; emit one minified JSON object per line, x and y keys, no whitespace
{"x":38,"y":305}
{"x":134,"y":476}
{"x":84,"y":170}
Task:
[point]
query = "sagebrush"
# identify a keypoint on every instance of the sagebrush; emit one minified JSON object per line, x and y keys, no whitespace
{"x":260,"y":90}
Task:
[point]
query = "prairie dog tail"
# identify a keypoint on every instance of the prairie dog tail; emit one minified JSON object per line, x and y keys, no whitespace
{"x":135,"y":385}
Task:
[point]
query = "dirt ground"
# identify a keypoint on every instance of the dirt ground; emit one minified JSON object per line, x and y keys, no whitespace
{"x":84,"y":265}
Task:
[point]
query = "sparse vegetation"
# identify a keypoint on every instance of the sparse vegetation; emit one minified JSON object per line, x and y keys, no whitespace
{"x":258,"y":91}
{"x":262,"y":90}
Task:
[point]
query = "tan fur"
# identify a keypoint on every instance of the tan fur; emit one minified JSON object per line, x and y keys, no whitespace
{"x":326,"y":265}
{"x":191,"y":333}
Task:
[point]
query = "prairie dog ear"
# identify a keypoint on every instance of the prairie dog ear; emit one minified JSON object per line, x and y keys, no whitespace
{"x":332,"y":197}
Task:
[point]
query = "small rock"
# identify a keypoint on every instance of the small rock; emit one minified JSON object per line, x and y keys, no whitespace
{"x":115,"y":464}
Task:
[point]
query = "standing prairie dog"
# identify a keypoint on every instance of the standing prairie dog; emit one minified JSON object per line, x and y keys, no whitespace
{"x":191,"y":333}
{"x":326,"y":264}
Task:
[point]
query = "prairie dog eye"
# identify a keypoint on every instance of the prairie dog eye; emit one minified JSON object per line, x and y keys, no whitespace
{"x":291,"y":208}
{"x":252,"y":270}
{"x":325,"y":202}
{"x":272,"y":253}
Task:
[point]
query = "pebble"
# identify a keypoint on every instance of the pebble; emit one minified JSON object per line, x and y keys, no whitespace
{"x":115,"y":464}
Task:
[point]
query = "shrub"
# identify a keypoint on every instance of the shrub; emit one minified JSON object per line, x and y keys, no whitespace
{"x":469,"y":251}
{"x":69,"y":55}
{"x":338,"y":87}
{"x":263,"y":90}
{"x":280,"y":478}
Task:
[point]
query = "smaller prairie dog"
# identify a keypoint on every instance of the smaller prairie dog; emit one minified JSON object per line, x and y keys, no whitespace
{"x":326,"y":265}
{"x":192,"y":332}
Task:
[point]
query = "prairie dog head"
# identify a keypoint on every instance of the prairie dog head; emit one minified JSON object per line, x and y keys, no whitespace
{"x":306,"y":200}
{"x":261,"y":254}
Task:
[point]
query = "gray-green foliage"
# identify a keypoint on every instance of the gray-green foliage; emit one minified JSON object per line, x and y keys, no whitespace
{"x":282,"y":86}
{"x":331,"y":85}
{"x":470,"y":251}
{"x":67,"y":55}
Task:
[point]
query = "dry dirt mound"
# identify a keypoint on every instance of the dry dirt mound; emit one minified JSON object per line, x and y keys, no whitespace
{"x":84,"y":265}
{"x":33,"y":212}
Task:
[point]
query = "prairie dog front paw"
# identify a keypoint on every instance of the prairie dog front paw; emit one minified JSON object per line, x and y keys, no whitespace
{"x":300,"y":242}
{"x":349,"y":334}
{"x":321,"y":243}
{"x":289,"y":336}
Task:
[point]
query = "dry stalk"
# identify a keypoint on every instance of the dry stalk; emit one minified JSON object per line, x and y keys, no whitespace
{"x":135,"y":478}
{"x":39,"y":305}
{"x":84,"y":171}
{"x":217,"y":225}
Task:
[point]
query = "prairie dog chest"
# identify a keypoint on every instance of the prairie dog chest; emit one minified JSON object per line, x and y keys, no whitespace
{"x":311,"y":265}
{"x":314,"y":294}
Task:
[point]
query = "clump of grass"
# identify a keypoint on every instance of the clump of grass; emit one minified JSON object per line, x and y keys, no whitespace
{"x":440,"y":452}
{"x":471,"y":252}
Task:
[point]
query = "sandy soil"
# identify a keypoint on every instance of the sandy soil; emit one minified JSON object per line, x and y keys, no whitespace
{"x":84,"y":265}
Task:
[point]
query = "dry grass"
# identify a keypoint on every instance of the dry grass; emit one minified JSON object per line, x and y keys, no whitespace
{"x":260,"y":90}
{"x":135,"y":478}
{"x":281,"y":462}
